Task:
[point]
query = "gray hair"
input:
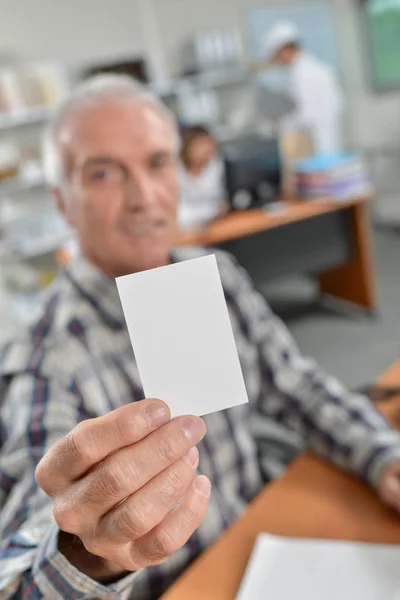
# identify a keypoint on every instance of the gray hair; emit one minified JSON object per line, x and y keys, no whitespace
{"x":93,"y":91}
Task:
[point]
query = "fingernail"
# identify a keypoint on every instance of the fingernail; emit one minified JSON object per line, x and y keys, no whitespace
{"x":157,"y":414}
{"x":202,"y":486}
{"x":194,"y":429}
{"x":192,"y":457}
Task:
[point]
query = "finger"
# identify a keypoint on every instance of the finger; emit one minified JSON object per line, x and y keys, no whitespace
{"x":146,"y":509}
{"x":390,"y":490}
{"x":78,"y":509}
{"x":93,"y":440}
{"x":174,"y":531}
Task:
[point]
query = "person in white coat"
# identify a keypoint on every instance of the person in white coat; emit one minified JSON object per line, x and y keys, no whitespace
{"x":313,"y":86}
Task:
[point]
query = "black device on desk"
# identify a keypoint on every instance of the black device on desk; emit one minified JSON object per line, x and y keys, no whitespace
{"x":253,"y":171}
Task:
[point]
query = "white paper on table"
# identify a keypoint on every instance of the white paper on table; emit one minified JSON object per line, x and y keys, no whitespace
{"x":294,"y":569}
{"x":182,"y":337}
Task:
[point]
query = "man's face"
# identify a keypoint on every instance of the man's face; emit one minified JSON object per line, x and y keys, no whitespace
{"x":120,"y":158}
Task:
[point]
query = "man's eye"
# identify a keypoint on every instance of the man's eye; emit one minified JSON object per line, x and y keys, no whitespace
{"x":100,"y":175}
{"x":160,"y":162}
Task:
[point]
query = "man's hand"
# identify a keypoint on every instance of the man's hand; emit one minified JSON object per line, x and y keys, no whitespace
{"x":125,"y":484}
{"x":389,"y":486}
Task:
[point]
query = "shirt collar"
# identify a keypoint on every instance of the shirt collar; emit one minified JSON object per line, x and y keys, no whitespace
{"x":98,"y":289}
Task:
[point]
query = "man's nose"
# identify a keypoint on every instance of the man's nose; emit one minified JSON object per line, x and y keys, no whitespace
{"x":139,"y":193}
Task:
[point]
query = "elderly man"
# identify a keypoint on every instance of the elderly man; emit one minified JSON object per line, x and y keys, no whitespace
{"x":100,"y":496}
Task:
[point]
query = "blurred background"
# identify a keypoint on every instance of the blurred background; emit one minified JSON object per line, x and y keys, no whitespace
{"x":205,"y":60}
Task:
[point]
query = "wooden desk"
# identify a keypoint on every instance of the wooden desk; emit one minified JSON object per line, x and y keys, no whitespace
{"x":328,"y":239}
{"x":313,"y":500}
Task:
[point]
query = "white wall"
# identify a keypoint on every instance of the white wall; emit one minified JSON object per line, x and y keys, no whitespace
{"x":373,"y":121}
{"x":375,"y":118}
{"x":69,"y":30}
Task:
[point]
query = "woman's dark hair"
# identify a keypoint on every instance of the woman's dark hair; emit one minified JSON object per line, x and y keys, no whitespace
{"x":188,"y":137}
{"x":294,"y":46}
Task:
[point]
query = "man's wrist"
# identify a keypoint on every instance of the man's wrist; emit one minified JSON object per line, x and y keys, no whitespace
{"x":95,"y":567}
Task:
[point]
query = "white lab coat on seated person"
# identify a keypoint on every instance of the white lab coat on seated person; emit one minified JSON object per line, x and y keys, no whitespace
{"x":201,"y":196}
{"x":316,"y":91}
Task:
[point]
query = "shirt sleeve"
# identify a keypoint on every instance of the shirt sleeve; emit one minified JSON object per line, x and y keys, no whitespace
{"x":339,"y":425}
{"x":34,"y":414}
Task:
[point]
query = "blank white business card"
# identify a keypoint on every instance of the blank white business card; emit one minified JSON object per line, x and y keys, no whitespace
{"x":182,"y":337}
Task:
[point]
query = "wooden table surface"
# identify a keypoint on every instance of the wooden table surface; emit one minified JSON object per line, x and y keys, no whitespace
{"x":313,"y":500}
{"x":239,"y":224}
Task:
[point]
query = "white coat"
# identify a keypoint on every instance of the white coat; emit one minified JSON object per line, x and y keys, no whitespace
{"x":200,"y":196}
{"x":318,"y":97}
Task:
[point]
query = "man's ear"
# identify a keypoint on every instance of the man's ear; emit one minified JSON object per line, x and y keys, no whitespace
{"x":64,"y":205}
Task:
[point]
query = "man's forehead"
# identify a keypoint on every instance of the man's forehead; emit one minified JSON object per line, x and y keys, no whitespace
{"x":117,"y":123}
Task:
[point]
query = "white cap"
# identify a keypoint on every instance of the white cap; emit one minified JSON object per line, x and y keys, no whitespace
{"x":280,"y":35}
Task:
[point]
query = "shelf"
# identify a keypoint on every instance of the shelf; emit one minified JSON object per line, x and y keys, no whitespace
{"x":44,"y":246}
{"x":31,"y":116}
{"x":19,"y":186}
{"x":208,"y":79}
{"x":32,"y":250}
{"x":218,"y":78}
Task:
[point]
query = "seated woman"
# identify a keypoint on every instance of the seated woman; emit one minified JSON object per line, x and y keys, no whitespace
{"x":201,"y":179}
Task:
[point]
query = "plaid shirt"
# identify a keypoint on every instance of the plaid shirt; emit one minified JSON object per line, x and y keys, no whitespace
{"x":76,"y":362}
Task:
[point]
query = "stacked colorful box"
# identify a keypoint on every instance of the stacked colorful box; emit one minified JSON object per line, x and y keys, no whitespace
{"x":342,"y":177}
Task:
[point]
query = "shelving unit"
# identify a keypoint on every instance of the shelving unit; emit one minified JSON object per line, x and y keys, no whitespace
{"x":19,"y":186}
{"x":17,"y":192}
{"x":24,"y":200}
{"x":32,"y":116}
{"x":209,"y":79}
{"x":30,"y":250}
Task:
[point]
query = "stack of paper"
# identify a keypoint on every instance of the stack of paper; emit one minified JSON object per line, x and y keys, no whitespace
{"x":341,"y":177}
{"x":288,"y":569}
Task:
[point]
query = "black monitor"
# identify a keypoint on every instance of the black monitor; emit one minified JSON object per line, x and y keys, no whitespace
{"x":253,"y":171}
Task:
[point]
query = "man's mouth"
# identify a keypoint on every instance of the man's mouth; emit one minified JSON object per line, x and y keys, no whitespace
{"x":143,"y":228}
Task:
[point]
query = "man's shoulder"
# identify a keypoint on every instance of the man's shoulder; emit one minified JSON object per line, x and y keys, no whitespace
{"x":43,"y":344}
{"x":228,"y":266}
